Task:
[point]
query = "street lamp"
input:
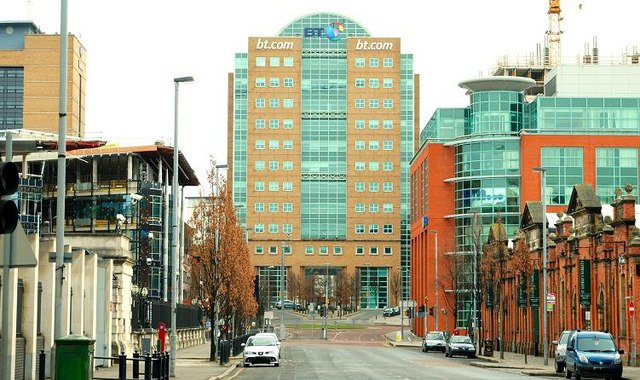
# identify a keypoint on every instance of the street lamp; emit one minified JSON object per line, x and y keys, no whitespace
{"x":174,"y":225}
{"x":401,"y":304}
{"x":282,"y":332}
{"x":368,"y":282}
{"x":326,"y":300}
{"x":545,"y":342}
{"x":435,"y":233}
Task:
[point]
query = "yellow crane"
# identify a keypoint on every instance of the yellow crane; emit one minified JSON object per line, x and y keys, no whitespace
{"x":554,"y":32}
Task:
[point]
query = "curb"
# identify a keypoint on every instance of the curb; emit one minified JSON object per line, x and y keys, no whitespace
{"x":226,"y":373}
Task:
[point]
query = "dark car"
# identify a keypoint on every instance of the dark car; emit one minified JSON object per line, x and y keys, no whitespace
{"x":593,"y":354}
{"x":460,"y":345}
{"x":561,"y":349}
{"x":391,"y":311}
{"x":434,"y":341}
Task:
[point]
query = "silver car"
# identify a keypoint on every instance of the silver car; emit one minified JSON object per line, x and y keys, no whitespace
{"x":561,"y":349}
{"x":460,"y":345}
{"x":434,"y":341}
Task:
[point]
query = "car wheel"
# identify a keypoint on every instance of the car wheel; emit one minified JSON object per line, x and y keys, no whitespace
{"x":576,"y":375}
{"x":446,"y":354}
{"x":276,"y":365}
{"x":246,"y":365}
{"x":567,"y":373}
{"x":559,"y":367}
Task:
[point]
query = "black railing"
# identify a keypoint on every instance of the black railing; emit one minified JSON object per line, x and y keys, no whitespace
{"x":154,"y":366}
{"x":147,"y":313}
{"x":232,"y":347}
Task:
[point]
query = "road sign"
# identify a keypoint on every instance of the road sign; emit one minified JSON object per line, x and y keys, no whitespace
{"x":632,"y":308}
{"x":408,"y":303}
{"x":268,"y":314}
{"x":551,"y":298}
{"x":22,"y":254}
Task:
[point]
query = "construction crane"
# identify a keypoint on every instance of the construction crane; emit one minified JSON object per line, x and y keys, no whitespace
{"x":553,"y":34}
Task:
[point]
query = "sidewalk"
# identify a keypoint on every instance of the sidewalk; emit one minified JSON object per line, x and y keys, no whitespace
{"x":534,"y":367}
{"x":192,"y":363}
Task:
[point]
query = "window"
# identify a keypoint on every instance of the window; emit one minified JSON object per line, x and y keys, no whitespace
{"x":286,"y":249}
{"x":374,"y":145}
{"x":374,"y":62}
{"x":359,"y":187}
{"x":287,"y":228}
{"x":274,"y":103}
{"x":387,"y":187}
{"x":387,"y":208}
{"x":258,"y":228}
{"x":373,"y":229}
{"x":359,"y":228}
{"x":287,"y":186}
{"x":387,"y":103}
{"x":387,"y":228}
{"x":360,"y":103}
{"x":374,"y":208}
{"x":260,"y":103}
{"x":260,"y":144}
{"x":259,"y":165}
{"x":273,"y":228}
{"x":288,"y":61}
{"x":274,"y":82}
{"x":360,"y":62}
{"x":374,"y":103}
{"x":374,"y":166}
{"x":308,"y":250}
{"x":359,"y":124}
{"x":274,"y":61}
{"x":359,"y":250}
{"x":287,"y":207}
{"x":387,"y":124}
{"x":387,"y":145}
{"x":288,"y":82}
{"x":274,"y":123}
{"x":273,"y":250}
{"x":274,"y":144}
{"x":359,"y":166}
{"x":287,"y":144}
{"x":359,"y":207}
{"x":373,"y":124}
{"x":260,"y":123}
{"x":259,"y":207}
{"x":274,"y":165}
{"x":374,"y":187}
{"x":259,"y":186}
{"x":360,"y":82}
{"x":387,"y":83}
{"x":274,"y":186}
{"x":287,"y":124}
{"x":287,"y":165}
{"x":387,"y":62}
{"x":259,"y":250}
{"x":374,"y":82}
{"x":324,"y":250}
{"x":261,"y":61}
{"x":337,"y":250}
{"x":388,"y":251}
{"x":287,"y":103}
{"x":387,"y":166}
{"x":260,"y":82}
{"x":373,"y":250}
{"x":273,"y":207}
{"x":359,"y":144}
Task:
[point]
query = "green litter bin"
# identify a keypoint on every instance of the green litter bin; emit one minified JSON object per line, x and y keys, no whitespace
{"x":74,"y":357}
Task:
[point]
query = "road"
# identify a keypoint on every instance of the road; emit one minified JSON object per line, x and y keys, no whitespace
{"x":334,"y":360}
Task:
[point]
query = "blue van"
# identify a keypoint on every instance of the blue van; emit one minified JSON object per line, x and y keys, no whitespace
{"x":593,"y":354}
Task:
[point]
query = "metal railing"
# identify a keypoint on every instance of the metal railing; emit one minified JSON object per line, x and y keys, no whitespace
{"x":154,"y":366}
{"x":232,"y":347}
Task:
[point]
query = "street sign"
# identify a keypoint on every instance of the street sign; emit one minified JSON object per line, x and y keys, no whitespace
{"x":551,"y":298}
{"x":268,"y":314}
{"x":408,"y":303}
{"x":632,"y":308}
{"x":22,"y":254}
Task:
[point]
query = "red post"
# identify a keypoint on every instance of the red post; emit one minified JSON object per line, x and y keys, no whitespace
{"x":162,"y":334}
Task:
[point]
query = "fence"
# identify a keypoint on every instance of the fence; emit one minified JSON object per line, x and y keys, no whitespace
{"x":154,"y":366}
{"x":232,"y":347}
{"x":148,"y":312}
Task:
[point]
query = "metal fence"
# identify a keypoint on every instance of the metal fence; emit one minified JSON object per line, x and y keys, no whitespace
{"x":148,"y":312}
{"x":232,"y":347}
{"x":148,"y":366}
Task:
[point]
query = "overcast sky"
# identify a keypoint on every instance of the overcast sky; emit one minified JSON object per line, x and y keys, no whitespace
{"x":136,"y":47}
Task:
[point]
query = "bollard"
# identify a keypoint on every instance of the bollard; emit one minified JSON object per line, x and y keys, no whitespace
{"x":167,"y":363}
{"x":156,"y":365}
{"x":147,"y":367}
{"x":163,"y":366}
{"x":43,"y":360}
{"x":122,"y":366}
{"x":136,"y":365}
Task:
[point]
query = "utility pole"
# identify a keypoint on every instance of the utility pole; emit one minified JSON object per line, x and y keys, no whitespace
{"x":545,"y":340}
{"x":436,"y":288}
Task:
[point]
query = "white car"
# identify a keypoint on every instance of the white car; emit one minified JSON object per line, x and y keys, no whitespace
{"x":271,"y":334}
{"x":261,"y":350}
{"x":434,"y":341}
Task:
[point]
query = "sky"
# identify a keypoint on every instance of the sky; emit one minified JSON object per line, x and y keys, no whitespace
{"x":136,"y":47}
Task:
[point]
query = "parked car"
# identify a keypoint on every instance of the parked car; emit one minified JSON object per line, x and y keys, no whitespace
{"x":271,"y":334}
{"x":261,"y":350}
{"x":460,"y":345}
{"x":561,"y":349}
{"x":593,"y":354}
{"x":434,"y":341}
{"x":391,"y":311}
{"x":287,"y":304}
{"x":300,"y":308}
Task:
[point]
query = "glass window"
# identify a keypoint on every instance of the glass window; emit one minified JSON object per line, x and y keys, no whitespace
{"x":374,"y":82}
{"x":388,"y":251}
{"x":308,"y":250}
{"x":287,"y":165}
{"x":360,"y":103}
{"x":260,"y":144}
{"x":615,"y":167}
{"x":387,"y":124}
{"x":274,"y":61}
{"x":287,"y":124}
{"x":374,"y":103}
{"x":374,"y":208}
{"x":259,"y":250}
{"x":287,"y":228}
{"x":359,"y":207}
{"x":261,"y":103}
{"x":373,"y":124}
{"x":564,"y":169}
{"x":387,"y":166}
{"x":359,"y":187}
{"x":288,"y":61}
{"x":374,"y":187}
{"x":259,"y":186}
{"x":287,"y":103}
{"x":261,"y":61}
{"x":274,"y":186}
{"x":287,"y":207}
{"x":337,"y":250}
{"x":274,"y":144}
{"x":387,"y":62}
{"x":373,"y":229}
{"x":274,"y":82}
{"x":387,"y":103}
{"x":374,"y":62}
{"x":273,"y":228}
{"x":373,"y":250}
{"x":260,"y":123}
{"x":324,"y":250}
{"x":273,"y":207}
{"x":260,"y":82}
{"x":387,"y":228}
{"x":387,"y":83}
{"x":359,"y":144}
{"x":258,"y":228}
{"x":288,"y":82}
{"x":359,"y":166}
{"x":259,"y":165}
{"x":274,"y":123}
{"x":359,"y":250}
{"x":359,"y":229}
{"x":387,"y":145}
{"x":259,"y":207}
{"x":359,"y":124}
{"x":374,"y":166}
{"x":387,"y":208}
{"x":273,"y":250}
{"x":287,"y":144}
{"x":287,"y":186}
{"x":274,"y":103}
{"x":360,"y":82}
{"x":374,"y":145}
{"x":360,"y":62}
{"x":387,"y":187}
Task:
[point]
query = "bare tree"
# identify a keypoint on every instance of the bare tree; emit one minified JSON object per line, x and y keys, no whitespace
{"x":395,"y":286}
{"x":522,"y":264}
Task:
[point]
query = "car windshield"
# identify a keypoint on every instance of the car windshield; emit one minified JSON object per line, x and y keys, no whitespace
{"x":433,"y":336}
{"x":261,"y":341}
{"x":268,"y":335}
{"x":593,"y":344}
{"x":460,"y":339}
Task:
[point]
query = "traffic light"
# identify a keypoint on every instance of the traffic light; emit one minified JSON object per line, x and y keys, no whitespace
{"x":431,"y":310}
{"x":8,"y":185}
{"x":421,"y":309}
{"x":410,"y":312}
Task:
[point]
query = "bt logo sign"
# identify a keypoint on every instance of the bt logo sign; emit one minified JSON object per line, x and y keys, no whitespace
{"x":333,"y":31}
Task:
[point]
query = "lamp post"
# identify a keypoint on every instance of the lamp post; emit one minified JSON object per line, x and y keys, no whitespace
{"x":368,"y":282}
{"x":401,"y":305}
{"x":174,"y":225}
{"x":326,"y":300}
{"x":426,"y":314}
{"x":545,"y":342}
{"x":282,"y":331}
{"x":435,"y":233}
